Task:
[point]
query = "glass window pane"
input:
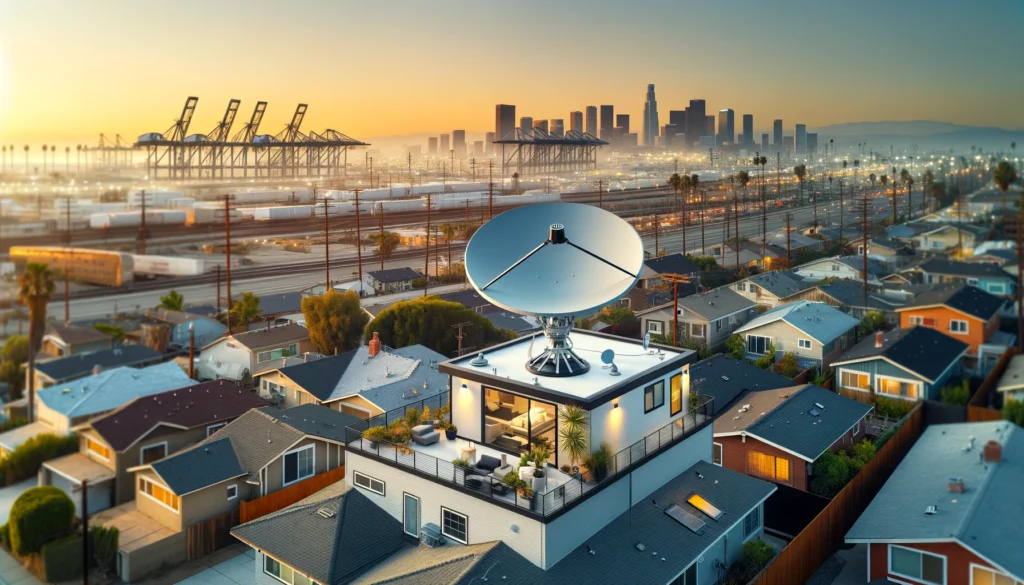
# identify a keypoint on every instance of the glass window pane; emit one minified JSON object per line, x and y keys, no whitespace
{"x":301,"y":579}
{"x":782,"y":469}
{"x":676,"y":393}
{"x":905,"y":562}
{"x":980,"y":576}
{"x":286,"y":573}
{"x":291,"y":467}
{"x":932,"y":569}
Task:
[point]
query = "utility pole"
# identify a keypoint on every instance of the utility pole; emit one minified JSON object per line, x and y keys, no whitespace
{"x":459,"y":336}
{"x":426,"y":253}
{"x":703,"y":212}
{"x":842,"y":211}
{"x":67,"y":278}
{"x":380,"y":244}
{"x":490,"y":190}
{"x":656,"y":248}
{"x":600,"y":193}
{"x":327,"y":245}
{"x":778,"y":174}
{"x":227,"y":245}
{"x":865,"y":205}
{"x":218,"y":289}
{"x":85,"y":532}
{"x":675,"y":279}
{"x":1020,"y":275}
{"x":191,"y":351}
{"x":359,"y":243}
{"x":142,"y":232}
{"x":683,"y":223}
{"x":789,"y":245}
{"x":371,"y":172}
{"x":736,"y":215}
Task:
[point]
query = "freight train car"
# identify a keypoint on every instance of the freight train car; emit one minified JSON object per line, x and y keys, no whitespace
{"x":101,"y":267}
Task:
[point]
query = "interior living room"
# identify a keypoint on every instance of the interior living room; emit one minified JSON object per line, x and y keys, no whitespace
{"x":515,"y":423}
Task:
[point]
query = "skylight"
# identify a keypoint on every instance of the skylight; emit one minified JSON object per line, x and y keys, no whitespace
{"x":685,"y":518}
{"x":705,"y":506}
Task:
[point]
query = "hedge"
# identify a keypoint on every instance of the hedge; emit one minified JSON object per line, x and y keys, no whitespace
{"x":62,"y":559}
{"x":24,"y":462}
{"x":38,"y":516}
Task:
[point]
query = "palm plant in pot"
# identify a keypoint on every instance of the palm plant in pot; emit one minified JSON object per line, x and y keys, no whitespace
{"x":597,"y":463}
{"x":572,"y":432}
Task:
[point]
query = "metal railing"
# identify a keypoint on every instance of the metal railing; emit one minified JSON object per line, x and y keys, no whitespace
{"x":540,"y":504}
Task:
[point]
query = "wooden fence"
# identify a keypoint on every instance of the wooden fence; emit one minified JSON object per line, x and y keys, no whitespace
{"x":824,"y":535}
{"x":286,"y":497}
{"x":202,"y":538}
{"x":978,"y":408}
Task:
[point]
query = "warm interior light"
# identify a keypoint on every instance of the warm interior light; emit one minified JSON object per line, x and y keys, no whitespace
{"x":705,"y":506}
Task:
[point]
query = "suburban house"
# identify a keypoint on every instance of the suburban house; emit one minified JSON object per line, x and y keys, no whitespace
{"x":965,"y":313}
{"x":842,"y":267}
{"x":725,"y":378}
{"x":750,"y":254}
{"x":242,"y":356}
{"x":650,"y":276}
{"x":1005,"y":258}
{"x":205,"y":330}
{"x":60,"y":370}
{"x":768,"y":289}
{"x":886,"y":248}
{"x":61,"y":340}
{"x":279,"y":309}
{"x":363,"y":382}
{"x":815,"y":332}
{"x":391,"y":280}
{"x":258,"y":453}
{"x":792,"y":240}
{"x":60,"y":408}
{"x":707,"y":318}
{"x":1011,"y":383}
{"x":909,"y":364}
{"x":987,"y":277}
{"x":848,"y":297}
{"x":778,"y":434}
{"x":142,"y":431}
{"x":945,"y":515}
{"x":907,"y":233}
{"x":962,"y":238}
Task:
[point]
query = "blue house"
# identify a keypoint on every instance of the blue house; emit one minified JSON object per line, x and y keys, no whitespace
{"x":207,"y":330}
{"x":908,"y":364}
{"x":988,"y":277}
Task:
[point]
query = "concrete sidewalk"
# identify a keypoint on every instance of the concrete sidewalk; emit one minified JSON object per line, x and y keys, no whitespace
{"x":226,"y":566}
{"x":12,"y":573}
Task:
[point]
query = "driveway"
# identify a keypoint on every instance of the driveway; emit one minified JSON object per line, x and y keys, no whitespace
{"x":237,"y":570}
{"x":11,"y":493}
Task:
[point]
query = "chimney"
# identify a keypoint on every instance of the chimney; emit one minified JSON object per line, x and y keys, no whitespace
{"x":374,"y":345}
{"x":993,"y":452}
{"x":955,"y":485}
{"x":878,"y":339}
{"x":97,"y":369}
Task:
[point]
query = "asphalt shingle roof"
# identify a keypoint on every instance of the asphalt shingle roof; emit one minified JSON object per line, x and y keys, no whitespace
{"x":781,"y":284}
{"x":75,"y":334}
{"x":315,"y":420}
{"x":986,"y":517}
{"x":78,"y":365}
{"x":851,"y":294}
{"x":395,"y":274}
{"x":716,"y":303}
{"x":194,"y":469}
{"x":268,"y":336}
{"x":964,"y":298}
{"x":112,"y":388}
{"x":277,"y":304}
{"x":822,"y":322}
{"x":921,"y":350}
{"x":965,"y":269}
{"x":724,"y":378}
{"x":672,"y":264}
{"x":511,"y":321}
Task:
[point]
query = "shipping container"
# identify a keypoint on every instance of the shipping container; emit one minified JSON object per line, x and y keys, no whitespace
{"x":154,"y":197}
{"x":167,"y":265}
{"x":283,"y":213}
{"x":101,"y":267}
{"x":134,"y":218}
{"x":210,"y":214}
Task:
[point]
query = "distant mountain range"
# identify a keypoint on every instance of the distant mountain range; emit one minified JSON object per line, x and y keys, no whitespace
{"x":926,"y":134}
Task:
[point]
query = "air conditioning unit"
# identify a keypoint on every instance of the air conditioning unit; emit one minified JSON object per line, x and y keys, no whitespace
{"x":430,"y":535}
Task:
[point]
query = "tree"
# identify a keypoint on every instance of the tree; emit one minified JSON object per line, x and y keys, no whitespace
{"x":927,"y":179}
{"x":788,"y":365}
{"x":736,"y":346}
{"x":573,"y":429}
{"x":743,"y":178}
{"x":245,"y":309}
{"x":39,"y":515}
{"x":871,"y":322}
{"x":872,"y":178}
{"x":617,"y":316}
{"x":801,"y":173}
{"x":386,"y":243}
{"x":764,"y":362}
{"x":959,"y":394}
{"x":15,"y":349}
{"x":35,"y":286}
{"x":676,"y":182}
{"x":1013,"y":411}
{"x":335,"y":321}
{"x":172,"y":301}
{"x":449,"y":230}
{"x":706,"y":263}
{"x":430,"y":321}
{"x":115,"y":332}
{"x":1003,"y":177}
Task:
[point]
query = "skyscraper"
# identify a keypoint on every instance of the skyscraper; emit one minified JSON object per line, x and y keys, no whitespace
{"x":432,"y":145}
{"x":748,"y":130}
{"x":764,"y":142}
{"x":677,"y":118}
{"x":504,"y":119}
{"x":489,"y":145}
{"x":726,"y":126}
{"x":542,"y":124}
{"x":607,"y":123}
{"x":526,"y":123}
{"x":812,"y":143}
{"x":801,"y":138}
{"x":777,"y":139}
{"x":459,"y":142}
{"x":592,"y":120}
{"x":576,"y":121}
{"x":709,"y":126}
{"x":651,"y":125}
{"x":557,"y":126}
{"x":622,"y":122}
{"x":695,"y":122}
{"x":444,"y":145}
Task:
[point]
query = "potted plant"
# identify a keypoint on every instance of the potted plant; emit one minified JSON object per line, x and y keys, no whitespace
{"x":439,"y":416}
{"x":598,"y":461}
{"x":572,"y":432}
{"x":375,"y":435}
{"x":523,"y":490}
{"x":460,"y":462}
{"x":450,"y":431}
{"x":539,"y":482}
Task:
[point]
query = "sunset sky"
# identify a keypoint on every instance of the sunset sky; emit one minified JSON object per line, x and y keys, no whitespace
{"x":71,"y":69}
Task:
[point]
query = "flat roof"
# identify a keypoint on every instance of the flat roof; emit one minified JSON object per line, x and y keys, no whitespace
{"x":506,"y":367}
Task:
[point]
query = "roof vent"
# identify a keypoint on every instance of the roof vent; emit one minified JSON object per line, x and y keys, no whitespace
{"x":931,"y":510}
{"x":479,"y":361}
{"x":726,"y":378}
{"x":325,"y":513}
{"x":97,"y":369}
{"x":993,"y":452}
{"x":955,"y":485}
{"x":815,"y":412}
{"x":819,"y":405}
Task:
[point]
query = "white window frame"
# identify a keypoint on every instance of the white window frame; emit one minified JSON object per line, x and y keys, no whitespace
{"x":654,"y":327}
{"x":856,"y":428}
{"x":721,"y":453}
{"x":760,"y":523}
{"x":232,"y":492}
{"x":994,"y":572}
{"x":889,"y":571}
{"x":142,"y":491}
{"x":972,"y":281}
{"x":966,"y":324}
{"x":800,"y":343}
{"x":143,"y":449}
{"x":284,"y":482}
{"x":839,"y":380}
{"x":913,"y":320}
{"x":918,"y":388}
{"x":215,"y":427}
{"x":465,"y":519}
{"x":369,"y":484}
{"x":747,"y":343}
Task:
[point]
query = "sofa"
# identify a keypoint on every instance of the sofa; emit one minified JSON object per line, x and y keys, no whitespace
{"x":425,"y":435}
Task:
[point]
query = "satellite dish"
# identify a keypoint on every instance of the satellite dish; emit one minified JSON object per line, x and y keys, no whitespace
{"x":607,"y":356}
{"x":647,"y":340}
{"x":555,"y":261}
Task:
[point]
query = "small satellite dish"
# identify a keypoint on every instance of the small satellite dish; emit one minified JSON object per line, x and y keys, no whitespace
{"x":607,"y":356}
{"x":647,"y":340}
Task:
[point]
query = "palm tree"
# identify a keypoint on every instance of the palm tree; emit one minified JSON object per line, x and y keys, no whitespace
{"x":744,"y":178}
{"x":172,"y":301}
{"x":4,"y":150}
{"x":53,"y":158}
{"x":245,"y":309}
{"x":26,"y":159}
{"x":67,"y":159}
{"x":34,"y":289}
{"x":926,"y":186}
{"x":910,"y":189}
{"x":1003,"y":177}
{"x":801,"y":172}
{"x":884,"y":179}
{"x":78,"y":158}
{"x":872,"y":178}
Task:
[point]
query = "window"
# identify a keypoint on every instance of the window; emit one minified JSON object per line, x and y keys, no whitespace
{"x":718,"y":325}
{"x":854,"y":380}
{"x":996,"y":289}
{"x":804,"y":343}
{"x":675,"y":394}
{"x":757,"y":344}
{"x":284,"y":573}
{"x":232,"y":491}
{"x":697,"y":330}
{"x":958,"y":326}
{"x":101,"y":451}
{"x":835,"y":268}
{"x":159,"y":493}
{"x":151,"y":453}
{"x":896,"y":387}
{"x":454,"y":525}
{"x":654,"y":396}
{"x":741,"y":287}
{"x":752,"y":287}
{"x":856,"y":429}
{"x":914,"y":564}
{"x":972,"y":281}
{"x":654,"y":326}
{"x":768,"y":466}
{"x":751,"y":522}
{"x":842,"y":343}
{"x":214,"y":428}
{"x":919,"y":320}
{"x":985,"y":576}
{"x":716,"y":454}
{"x":369,"y":483}
{"x":263,"y":357}
{"x":298,"y":464}
{"x":914,"y":320}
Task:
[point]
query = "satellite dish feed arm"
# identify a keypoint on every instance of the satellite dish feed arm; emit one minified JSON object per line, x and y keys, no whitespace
{"x":518,"y":262}
{"x":591,"y":254}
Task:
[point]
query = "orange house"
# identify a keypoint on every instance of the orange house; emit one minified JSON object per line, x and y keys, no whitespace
{"x":963,"y":312}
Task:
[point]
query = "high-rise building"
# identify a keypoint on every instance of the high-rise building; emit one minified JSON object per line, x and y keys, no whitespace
{"x":432,"y":145}
{"x":592,"y":120}
{"x":787,"y":144}
{"x":459,"y":142}
{"x":651,"y":125}
{"x":576,"y":121}
{"x":622,"y":121}
{"x":777,"y":130}
{"x":709,"y":126}
{"x":542,"y":124}
{"x":504,"y":119}
{"x":801,"y":138}
{"x":677,"y":118}
{"x":444,"y":145}
{"x":489,"y":145}
{"x":557,"y":126}
{"x":764,"y":142}
{"x":526,"y":123}
{"x":748,"y":130}
{"x":812,"y":143}
{"x":607,"y":123}
{"x":726,"y":126}
{"x":696,"y":125}
{"x":478,"y":148}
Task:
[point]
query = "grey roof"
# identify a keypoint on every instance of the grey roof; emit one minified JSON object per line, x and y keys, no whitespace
{"x":964,"y":269}
{"x":818,"y":320}
{"x":921,"y":350}
{"x":851,"y":294}
{"x":781,"y":284}
{"x":1012,"y":379}
{"x":986,"y":518}
{"x":268,"y":336}
{"x":962,"y":297}
{"x":672,"y":264}
{"x":173,"y":317}
{"x":512,"y":322}
{"x":468,"y":298}
{"x":716,"y":303}
{"x":282,"y":303}
{"x":724,"y":378}
{"x":784,"y":418}
{"x":447,"y":565}
{"x":112,"y":388}
{"x":315,"y":420}
{"x":356,"y":535}
{"x":386,"y":380}
{"x":875,"y":268}
{"x":76,"y":334}
{"x":395,"y":274}
{"x":193,"y":469}
{"x":78,"y":365}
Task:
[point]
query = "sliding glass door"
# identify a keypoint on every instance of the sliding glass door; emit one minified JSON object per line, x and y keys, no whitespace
{"x":514,"y":423}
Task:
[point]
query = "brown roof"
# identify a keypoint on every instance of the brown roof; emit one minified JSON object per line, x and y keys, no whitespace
{"x":169,"y":316}
{"x":188,"y":407}
{"x":75,"y":334}
{"x":270,"y":336}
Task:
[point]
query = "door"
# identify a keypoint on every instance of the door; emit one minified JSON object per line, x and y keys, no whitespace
{"x":411,"y":515}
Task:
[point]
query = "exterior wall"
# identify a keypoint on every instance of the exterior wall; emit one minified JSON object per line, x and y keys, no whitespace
{"x":321,"y":463}
{"x":878,"y":367}
{"x":734,"y":457}
{"x":151,"y":507}
{"x":467,"y":404}
{"x":487,"y":521}
{"x":57,"y":421}
{"x":229,"y":351}
{"x":111,"y":464}
{"x":627,"y":424}
{"x":828,"y":269}
{"x":786,"y":337}
{"x":977,"y":330}
{"x":176,"y":439}
{"x":669,"y":465}
{"x":958,"y":561}
{"x":356,"y":406}
{"x":139,"y":562}
{"x":832,"y":350}
{"x":759,"y":295}
{"x":212,"y":500}
{"x":304,"y":345}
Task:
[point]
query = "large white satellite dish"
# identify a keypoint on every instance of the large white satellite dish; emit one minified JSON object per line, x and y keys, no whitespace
{"x":555,"y":261}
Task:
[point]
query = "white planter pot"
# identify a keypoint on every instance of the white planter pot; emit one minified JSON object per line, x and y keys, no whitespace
{"x":539,"y":484}
{"x":526,"y":473}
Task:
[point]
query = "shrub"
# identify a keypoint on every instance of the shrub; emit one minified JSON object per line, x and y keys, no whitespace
{"x":38,"y":516}
{"x":755,"y":556}
{"x":104,"y":545}
{"x":460,"y":462}
{"x":831,"y":472}
{"x":959,"y":394}
{"x":886,"y":435}
{"x":1013,"y":411}
{"x":735,"y":346}
{"x":5,"y":535}
{"x":24,"y":461}
{"x":862,"y":452}
{"x":787,"y":366}
{"x":62,"y":558}
{"x":892,"y":407}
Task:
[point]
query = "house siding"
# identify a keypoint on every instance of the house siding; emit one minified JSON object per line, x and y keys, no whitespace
{"x":153,"y":509}
{"x":786,"y":338}
{"x":958,"y":561}
{"x":978,"y":330}
{"x":321,"y":463}
{"x":177,"y":439}
{"x":734,"y":457}
{"x":881,"y":367}
{"x":213,"y":500}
